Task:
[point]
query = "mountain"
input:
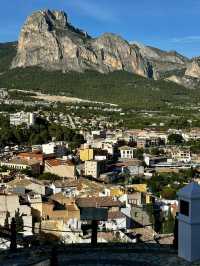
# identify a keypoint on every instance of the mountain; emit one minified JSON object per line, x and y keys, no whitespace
{"x":55,"y":57}
{"x":119,"y":87}
{"x":193,"y":69}
{"x":48,"y":40}
{"x":190,"y":78}
{"x":164,"y":63}
{"x":7,"y":53}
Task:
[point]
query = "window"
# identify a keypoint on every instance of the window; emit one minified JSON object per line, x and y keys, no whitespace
{"x":184,"y":207}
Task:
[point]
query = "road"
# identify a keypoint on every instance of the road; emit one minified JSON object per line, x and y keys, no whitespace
{"x":71,"y":122}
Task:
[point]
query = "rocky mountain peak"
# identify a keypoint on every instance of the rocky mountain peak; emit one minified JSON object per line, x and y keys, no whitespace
{"x":48,"y":40}
{"x":193,"y":68}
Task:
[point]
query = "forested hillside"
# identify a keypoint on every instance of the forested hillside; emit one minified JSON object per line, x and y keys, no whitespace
{"x":123,"y":88}
{"x":7,"y":52}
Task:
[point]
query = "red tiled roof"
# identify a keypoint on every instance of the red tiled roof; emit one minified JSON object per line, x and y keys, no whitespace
{"x":56,"y":162}
{"x":31,"y":155}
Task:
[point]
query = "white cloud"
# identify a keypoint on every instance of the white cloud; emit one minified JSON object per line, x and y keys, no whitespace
{"x":94,"y":10}
{"x":186,"y":39}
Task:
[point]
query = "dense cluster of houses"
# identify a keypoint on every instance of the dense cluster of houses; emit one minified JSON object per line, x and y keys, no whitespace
{"x":51,"y":186}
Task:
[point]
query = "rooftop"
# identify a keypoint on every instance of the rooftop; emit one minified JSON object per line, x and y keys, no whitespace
{"x":98,"y":202}
{"x":57,"y":162}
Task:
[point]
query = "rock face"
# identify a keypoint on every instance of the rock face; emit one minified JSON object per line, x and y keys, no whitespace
{"x":48,"y":40}
{"x":186,"y":81}
{"x":164,"y":63}
{"x":193,"y":69}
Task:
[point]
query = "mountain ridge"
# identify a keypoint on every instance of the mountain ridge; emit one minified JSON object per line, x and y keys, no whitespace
{"x":48,"y":40}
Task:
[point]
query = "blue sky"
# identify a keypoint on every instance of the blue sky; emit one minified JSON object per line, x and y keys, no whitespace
{"x":167,"y":24}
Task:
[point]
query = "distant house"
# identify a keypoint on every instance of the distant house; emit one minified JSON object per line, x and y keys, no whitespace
{"x":20,"y":186}
{"x":116,"y":221}
{"x":86,"y":154}
{"x":58,"y":208}
{"x":57,"y":148}
{"x":61,"y":168}
{"x":93,"y":168}
{"x":134,"y":167}
{"x":29,"y":156}
{"x":9,"y":205}
{"x":20,"y":118}
{"x":182,"y":154}
{"x":68,"y":188}
{"x":100,"y":202}
{"x":20,"y":164}
{"x":126,"y":152}
{"x":153,"y":160}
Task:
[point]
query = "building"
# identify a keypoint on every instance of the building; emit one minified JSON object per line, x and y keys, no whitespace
{"x":20,"y":186}
{"x":10,"y":204}
{"x":133,"y":199}
{"x":126,"y":152}
{"x":20,"y":164}
{"x":100,"y":202}
{"x":93,"y":168}
{"x":21,"y":118}
{"x":70,"y":189}
{"x":116,"y":221}
{"x":153,"y":160}
{"x":181,"y":154}
{"x":133,"y":167}
{"x":61,"y":168}
{"x":57,"y":148}
{"x":86,"y":154}
{"x":29,"y":156}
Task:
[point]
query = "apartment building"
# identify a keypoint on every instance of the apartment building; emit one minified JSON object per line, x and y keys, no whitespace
{"x":21,"y":118}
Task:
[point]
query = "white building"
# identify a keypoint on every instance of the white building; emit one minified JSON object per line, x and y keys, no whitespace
{"x":57,"y":148}
{"x":126,"y":152}
{"x":20,"y":118}
{"x":181,"y":154}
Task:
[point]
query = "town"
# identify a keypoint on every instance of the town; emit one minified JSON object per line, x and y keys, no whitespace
{"x":55,"y":175}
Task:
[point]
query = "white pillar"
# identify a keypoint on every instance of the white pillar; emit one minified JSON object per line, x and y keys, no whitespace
{"x":189,"y":222}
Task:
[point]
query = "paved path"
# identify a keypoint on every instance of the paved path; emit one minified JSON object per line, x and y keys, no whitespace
{"x":71,"y":122}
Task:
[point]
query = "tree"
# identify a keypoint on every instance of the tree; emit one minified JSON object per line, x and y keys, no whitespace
{"x":49,"y":176}
{"x":175,"y":139}
{"x":168,"y":193}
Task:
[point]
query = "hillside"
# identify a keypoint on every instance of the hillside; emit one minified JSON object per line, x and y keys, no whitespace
{"x":120,"y":87}
{"x":123,"y":88}
{"x":7,"y":53}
